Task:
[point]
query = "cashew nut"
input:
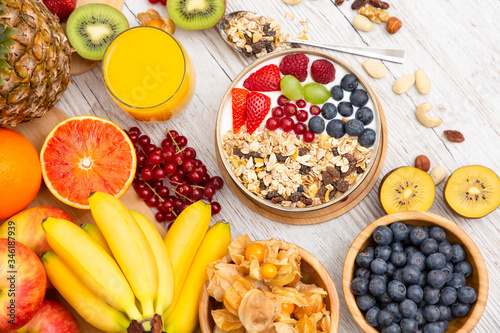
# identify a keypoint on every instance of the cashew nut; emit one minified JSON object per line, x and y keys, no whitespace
{"x":438,"y":174}
{"x":422,"y":115}
{"x":292,"y":2}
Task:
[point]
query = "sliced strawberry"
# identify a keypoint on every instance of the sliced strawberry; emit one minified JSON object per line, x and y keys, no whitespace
{"x":322,"y":71}
{"x":258,"y":106}
{"x":265,"y":79}
{"x":296,"y":65}
{"x":61,"y":8}
{"x":239,"y":103}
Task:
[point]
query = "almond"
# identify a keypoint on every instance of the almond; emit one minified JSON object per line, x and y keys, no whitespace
{"x":403,"y":84}
{"x":362,"y":23}
{"x":393,"y":25}
{"x":376,"y":69}
{"x":422,"y":81}
{"x":422,"y":162}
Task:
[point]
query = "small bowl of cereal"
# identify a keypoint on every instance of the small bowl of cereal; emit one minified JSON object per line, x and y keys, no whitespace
{"x":299,"y":131}
{"x":268,"y":286}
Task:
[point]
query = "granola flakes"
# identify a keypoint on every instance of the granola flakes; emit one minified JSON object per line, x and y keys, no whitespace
{"x":291,"y":173}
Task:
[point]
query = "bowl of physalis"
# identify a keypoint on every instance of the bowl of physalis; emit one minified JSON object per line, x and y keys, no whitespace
{"x":268,"y":286}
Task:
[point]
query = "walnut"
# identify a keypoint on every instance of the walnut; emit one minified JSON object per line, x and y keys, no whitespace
{"x":374,"y":14}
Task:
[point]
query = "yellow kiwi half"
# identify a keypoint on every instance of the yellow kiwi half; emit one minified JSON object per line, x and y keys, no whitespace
{"x":406,"y":188}
{"x":473,"y":191}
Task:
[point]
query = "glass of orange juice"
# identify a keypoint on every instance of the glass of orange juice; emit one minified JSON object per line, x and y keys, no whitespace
{"x":148,"y":74}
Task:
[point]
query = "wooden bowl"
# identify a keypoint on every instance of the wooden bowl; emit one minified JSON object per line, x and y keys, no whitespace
{"x":312,"y":272}
{"x":454,"y":234}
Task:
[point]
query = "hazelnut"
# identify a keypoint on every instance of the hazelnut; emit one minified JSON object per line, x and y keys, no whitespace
{"x":393,"y":25}
{"x":422,"y":162}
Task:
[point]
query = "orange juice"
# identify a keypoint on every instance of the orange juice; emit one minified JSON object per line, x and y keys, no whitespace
{"x":148,"y":74}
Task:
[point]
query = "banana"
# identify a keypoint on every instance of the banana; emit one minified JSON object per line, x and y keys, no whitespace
{"x":183,"y":239}
{"x":165,"y":295}
{"x":184,"y":317}
{"x":129,"y":246}
{"x":81,"y":298}
{"x":93,"y":231}
{"x":91,"y":263}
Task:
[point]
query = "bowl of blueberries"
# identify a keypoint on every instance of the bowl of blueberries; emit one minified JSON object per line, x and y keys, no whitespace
{"x":415,"y":272}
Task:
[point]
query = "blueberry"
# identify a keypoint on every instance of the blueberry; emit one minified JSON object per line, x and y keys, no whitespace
{"x":422,"y":282}
{"x":460,"y":310}
{"x":449,"y":265}
{"x":397,"y":246}
{"x":384,"y":298}
{"x":363,"y":259}
{"x":436,"y":278}
{"x":394,"y":309}
{"x":445,"y":249}
{"x":372,"y":316}
{"x":463,"y":268}
{"x":418,"y":235}
{"x":444,"y":323}
{"x":429,"y":246}
{"x":337,"y":93}
{"x":362,"y":272}
{"x":390,"y":269}
{"x":444,"y":312}
{"x":431,"y":313}
{"x":349,"y":82}
{"x":377,"y":286}
{"x":418,"y":260}
{"x":415,"y":293}
{"x":433,"y":328}
{"x":384,"y":318}
{"x":437,"y":233}
{"x":345,"y":109}
{"x":457,"y":253}
{"x":383,"y":252}
{"x":457,"y":281}
{"x":400,"y":230}
{"x":328,"y":111}
{"x":396,"y":290}
{"x":411,"y":274}
{"x":435,"y":261}
{"x":378,"y":266}
{"x":409,"y":250}
{"x":382,"y":235}
{"x":365,"y":114}
{"x":366,"y":302}
{"x":392,"y":328}
{"x":448,"y":295}
{"x":419,"y":317}
{"x":359,"y":98}
{"x":382,"y":276}
{"x":408,"y":308}
{"x":398,"y":274}
{"x":359,"y":286}
{"x":431,"y":295}
{"x":354,"y":127}
{"x":467,"y":295}
{"x":408,"y":325}
{"x":335,"y":128}
{"x":367,"y":138}
{"x":398,"y":259}
{"x":316,"y":124}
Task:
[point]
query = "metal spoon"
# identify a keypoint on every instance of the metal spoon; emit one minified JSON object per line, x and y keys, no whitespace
{"x":388,"y":54}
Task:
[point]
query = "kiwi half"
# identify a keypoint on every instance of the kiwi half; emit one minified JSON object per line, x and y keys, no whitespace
{"x":407,"y":188}
{"x":473,"y":191}
{"x":196,"y":14}
{"x":92,"y":27}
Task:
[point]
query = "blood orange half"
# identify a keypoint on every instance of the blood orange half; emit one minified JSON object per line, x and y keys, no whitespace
{"x":84,"y":154}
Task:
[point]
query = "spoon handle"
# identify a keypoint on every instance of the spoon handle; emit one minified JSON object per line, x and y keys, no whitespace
{"x":388,"y":54}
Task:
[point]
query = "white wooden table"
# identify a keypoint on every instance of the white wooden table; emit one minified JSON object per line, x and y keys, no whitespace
{"x":456,"y":42}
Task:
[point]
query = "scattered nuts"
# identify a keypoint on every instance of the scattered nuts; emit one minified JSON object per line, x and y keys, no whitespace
{"x":292,"y":2}
{"x":289,"y":16}
{"x":374,"y":14}
{"x":375,"y":68}
{"x":422,"y":81}
{"x":393,"y":25}
{"x":379,"y":4}
{"x":422,"y":115}
{"x":339,"y":2}
{"x":362,"y":23}
{"x":438,"y":174}
{"x":357,"y":4}
{"x":454,"y":136}
{"x":403,"y":84}
{"x":422,"y":162}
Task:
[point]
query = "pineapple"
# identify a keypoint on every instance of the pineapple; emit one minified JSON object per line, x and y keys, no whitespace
{"x":34,"y":61}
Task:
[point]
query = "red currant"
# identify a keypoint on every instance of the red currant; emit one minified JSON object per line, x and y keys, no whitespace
{"x":159,"y":173}
{"x":273,"y":124}
{"x":181,"y":141}
{"x":169,"y":217}
{"x":301,"y":103}
{"x":147,"y":173}
{"x":155,"y":158}
{"x":184,"y":189}
{"x":168,"y":154}
{"x":300,"y":128}
{"x":153,"y":1}
{"x":315,"y":110}
{"x":209,"y":191}
{"x":144,"y":140}
{"x":202,"y":169}
{"x":160,"y":216}
{"x":141,"y":159}
{"x":215,"y":207}
{"x":134,"y":130}
{"x":166,"y":143}
{"x":173,"y":134}
{"x":163,"y":191}
{"x":163,"y":2}
{"x":178,"y":203}
{"x":302,"y":115}
{"x":287,"y":124}
{"x":282,"y":100}
{"x":178,"y":159}
{"x":145,"y":193}
{"x":185,"y":205}
{"x":175,"y":179}
{"x":134,"y":137}
{"x":170,"y":168}
{"x":157,"y":183}
{"x":189,"y":153}
{"x":290,"y":109}
{"x":188,"y":166}
{"x":138,"y":185}
{"x":149,"y":148}
{"x":196,"y":194}
{"x":216,"y":182}
{"x":195,"y":176}
{"x":181,"y":173}
{"x":308,"y":136}
{"x":278,"y":112}
{"x":204,"y":180}
{"x":167,"y":205}
{"x":153,"y":201}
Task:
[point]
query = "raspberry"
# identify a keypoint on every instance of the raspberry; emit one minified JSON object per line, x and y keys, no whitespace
{"x":296,"y":65}
{"x":322,"y":71}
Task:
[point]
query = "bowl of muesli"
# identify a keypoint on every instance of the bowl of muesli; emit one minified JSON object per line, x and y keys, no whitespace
{"x":298,"y":131}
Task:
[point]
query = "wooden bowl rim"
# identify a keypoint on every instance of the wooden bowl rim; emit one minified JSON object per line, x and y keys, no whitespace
{"x":273,"y":55}
{"x":315,"y":264}
{"x":477,"y":258}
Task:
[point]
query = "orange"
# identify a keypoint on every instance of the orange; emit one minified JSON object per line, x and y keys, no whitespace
{"x":20,"y":175}
{"x":85,"y":154}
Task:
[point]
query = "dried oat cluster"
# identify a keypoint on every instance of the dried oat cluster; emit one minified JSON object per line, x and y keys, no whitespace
{"x":291,"y":173}
{"x":255,"y":35}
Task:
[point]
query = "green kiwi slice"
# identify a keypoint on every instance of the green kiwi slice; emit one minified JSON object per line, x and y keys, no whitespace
{"x":92,"y":27}
{"x":196,"y":14}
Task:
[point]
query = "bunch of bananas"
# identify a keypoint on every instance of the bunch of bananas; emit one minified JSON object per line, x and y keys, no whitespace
{"x":121,"y":275}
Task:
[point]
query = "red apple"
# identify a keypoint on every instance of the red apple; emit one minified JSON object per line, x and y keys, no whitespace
{"x":52,"y":317}
{"x":22,"y":284}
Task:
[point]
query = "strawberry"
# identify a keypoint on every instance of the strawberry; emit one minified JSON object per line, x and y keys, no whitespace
{"x":62,"y":8}
{"x":322,"y":71}
{"x":258,"y":106}
{"x":265,"y":79}
{"x":296,"y":65}
{"x":239,"y":103}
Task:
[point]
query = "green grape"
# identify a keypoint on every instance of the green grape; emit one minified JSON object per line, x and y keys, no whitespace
{"x":291,"y":87}
{"x":316,"y":93}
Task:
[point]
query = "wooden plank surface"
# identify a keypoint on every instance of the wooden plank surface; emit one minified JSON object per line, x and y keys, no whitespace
{"x":456,"y":42}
